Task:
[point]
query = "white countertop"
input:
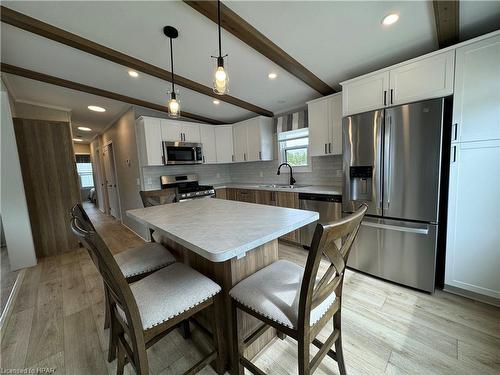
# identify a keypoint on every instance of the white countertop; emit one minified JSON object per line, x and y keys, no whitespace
{"x":316,"y":189}
{"x":219,"y":229}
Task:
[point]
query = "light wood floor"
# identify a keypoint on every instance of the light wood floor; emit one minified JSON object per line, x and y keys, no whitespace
{"x":58,"y":319}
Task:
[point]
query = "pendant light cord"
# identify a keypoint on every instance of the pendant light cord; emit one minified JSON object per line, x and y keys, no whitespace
{"x":172,"y":65}
{"x":218,"y":18}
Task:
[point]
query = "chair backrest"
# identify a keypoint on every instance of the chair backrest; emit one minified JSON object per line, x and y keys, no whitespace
{"x":324,"y":243}
{"x":156,"y":197}
{"x":115,"y":283}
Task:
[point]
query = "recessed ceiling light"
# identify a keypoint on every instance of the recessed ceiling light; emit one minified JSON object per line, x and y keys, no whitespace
{"x":77,"y":140}
{"x":85,"y":129}
{"x":133,"y":73}
{"x":390,"y":19}
{"x":96,"y":108}
{"x":272,"y":75}
{"x":215,"y":101}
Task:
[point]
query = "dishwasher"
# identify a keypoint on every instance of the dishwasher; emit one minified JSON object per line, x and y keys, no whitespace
{"x":329,"y":207}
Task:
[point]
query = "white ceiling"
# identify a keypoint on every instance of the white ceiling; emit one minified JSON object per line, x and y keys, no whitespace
{"x":335,"y":40}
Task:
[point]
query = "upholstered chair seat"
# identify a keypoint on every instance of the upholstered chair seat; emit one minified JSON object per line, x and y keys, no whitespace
{"x":170,"y":292}
{"x":143,"y":259}
{"x":274,"y":292}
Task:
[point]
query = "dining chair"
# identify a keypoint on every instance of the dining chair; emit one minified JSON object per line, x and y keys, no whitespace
{"x":297,"y":301}
{"x":135,"y":264}
{"x":156,"y":197}
{"x":144,"y":312}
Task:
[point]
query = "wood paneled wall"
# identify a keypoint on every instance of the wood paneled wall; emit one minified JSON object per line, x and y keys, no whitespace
{"x":50,"y":182}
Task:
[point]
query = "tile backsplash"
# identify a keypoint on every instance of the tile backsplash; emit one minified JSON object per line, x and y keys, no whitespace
{"x":326,"y":170}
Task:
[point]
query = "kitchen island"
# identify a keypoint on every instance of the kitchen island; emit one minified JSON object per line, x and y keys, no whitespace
{"x":226,"y":241}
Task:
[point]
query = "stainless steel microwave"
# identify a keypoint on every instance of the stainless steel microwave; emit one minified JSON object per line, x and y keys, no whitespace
{"x":182,"y":153}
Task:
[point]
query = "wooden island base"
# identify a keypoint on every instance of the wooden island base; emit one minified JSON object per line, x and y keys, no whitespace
{"x":227,"y":274}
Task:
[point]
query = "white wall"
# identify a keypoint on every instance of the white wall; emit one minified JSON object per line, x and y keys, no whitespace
{"x":13,"y":208}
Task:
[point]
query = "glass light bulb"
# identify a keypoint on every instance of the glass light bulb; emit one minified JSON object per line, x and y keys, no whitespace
{"x":173,"y":108}
{"x":220,"y":74}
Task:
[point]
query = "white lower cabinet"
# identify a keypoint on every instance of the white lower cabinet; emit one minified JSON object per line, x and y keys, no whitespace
{"x":325,"y":125}
{"x":224,"y":143}
{"x":473,"y":234}
{"x":207,"y":134}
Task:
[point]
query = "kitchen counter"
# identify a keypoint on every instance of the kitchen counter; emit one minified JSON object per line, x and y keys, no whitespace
{"x":218,"y":229}
{"x":315,"y":189}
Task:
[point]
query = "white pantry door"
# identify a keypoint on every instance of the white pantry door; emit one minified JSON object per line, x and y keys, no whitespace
{"x":110,"y":178}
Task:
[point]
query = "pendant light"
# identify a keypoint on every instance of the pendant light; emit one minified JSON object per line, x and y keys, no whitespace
{"x":221,"y":79}
{"x":174,"y":107}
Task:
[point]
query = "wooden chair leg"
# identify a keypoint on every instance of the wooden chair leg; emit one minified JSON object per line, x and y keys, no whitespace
{"x":303,"y":356}
{"x":120,"y":361}
{"x":185,"y":330}
{"x":237,"y":368}
{"x":217,"y":335}
{"x":106,"y":309}
{"x":113,"y":338}
{"x":338,"y":343}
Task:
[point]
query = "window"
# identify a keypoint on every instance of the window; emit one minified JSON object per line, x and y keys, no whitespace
{"x":293,"y":147}
{"x":84,"y":170}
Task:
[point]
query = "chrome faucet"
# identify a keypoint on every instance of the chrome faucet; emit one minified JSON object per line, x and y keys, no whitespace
{"x":292,"y":180}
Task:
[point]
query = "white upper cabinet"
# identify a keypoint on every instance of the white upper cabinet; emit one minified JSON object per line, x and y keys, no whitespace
{"x":253,"y":139}
{"x":240,"y":141}
{"x":224,"y":143}
{"x":365,"y":94}
{"x":149,"y":144}
{"x":428,"y":78}
{"x":473,"y":238}
{"x":174,"y":130}
{"x":325,"y":125}
{"x":207,"y":133}
{"x":476,"y":103}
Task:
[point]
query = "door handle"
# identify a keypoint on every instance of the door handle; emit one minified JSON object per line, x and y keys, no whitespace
{"x":392,"y":98}
{"x":387,"y":171}
{"x":396,"y":228}
{"x":454,"y":154}
{"x":455,"y":131}
{"x":385,"y":97}
{"x":329,"y":148}
{"x":325,"y":149}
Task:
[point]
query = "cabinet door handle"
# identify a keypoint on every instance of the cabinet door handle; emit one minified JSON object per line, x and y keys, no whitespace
{"x":245,"y":156}
{"x":163,"y":159}
{"x":385,"y":97}
{"x":454,"y":154}
{"x":260,"y":155}
{"x":455,"y":131}
{"x":232,"y":157}
{"x":326,"y":152}
{"x":392,"y":96}
{"x":329,"y":148}
{"x":203,"y":158}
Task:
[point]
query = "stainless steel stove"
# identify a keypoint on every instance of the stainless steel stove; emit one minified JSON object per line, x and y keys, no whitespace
{"x":186,"y":187}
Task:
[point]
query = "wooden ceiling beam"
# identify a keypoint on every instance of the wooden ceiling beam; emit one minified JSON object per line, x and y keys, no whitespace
{"x":26,"y":73}
{"x":48,"y":31}
{"x":446,"y":14}
{"x":248,"y":34}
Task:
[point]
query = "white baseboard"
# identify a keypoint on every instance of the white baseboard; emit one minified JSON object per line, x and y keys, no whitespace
{"x":472,"y":295}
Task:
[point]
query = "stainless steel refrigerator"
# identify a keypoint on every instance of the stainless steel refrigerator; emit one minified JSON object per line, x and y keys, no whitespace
{"x":392,"y":162}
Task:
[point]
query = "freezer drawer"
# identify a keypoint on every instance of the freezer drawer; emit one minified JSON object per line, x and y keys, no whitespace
{"x":399,"y":251}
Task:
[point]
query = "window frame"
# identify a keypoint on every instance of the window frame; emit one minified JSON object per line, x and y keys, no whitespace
{"x":282,"y":152}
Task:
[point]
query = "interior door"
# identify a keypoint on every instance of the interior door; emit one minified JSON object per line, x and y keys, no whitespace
{"x":362,"y":165}
{"x":412,"y":160}
{"x":109,"y":170}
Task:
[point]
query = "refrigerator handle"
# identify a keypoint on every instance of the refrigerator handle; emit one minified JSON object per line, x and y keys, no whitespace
{"x":416,"y":230}
{"x":387,"y":163}
{"x":378,"y":166}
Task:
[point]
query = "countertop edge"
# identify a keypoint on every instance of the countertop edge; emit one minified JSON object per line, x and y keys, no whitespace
{"x":232,"y":253}
{"x":313,"y":189}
